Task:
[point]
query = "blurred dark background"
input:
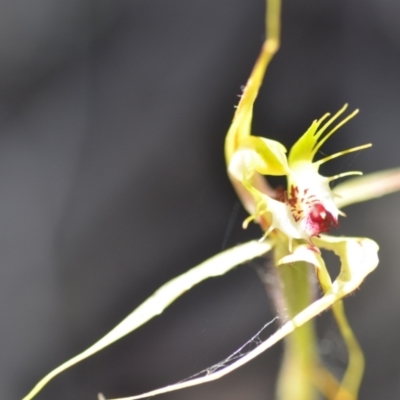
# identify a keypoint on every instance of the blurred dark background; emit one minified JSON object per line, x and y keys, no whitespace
{"x":112,"y":121}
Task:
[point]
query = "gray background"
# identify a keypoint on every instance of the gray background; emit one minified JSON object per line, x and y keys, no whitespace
{"x":112,"y":181}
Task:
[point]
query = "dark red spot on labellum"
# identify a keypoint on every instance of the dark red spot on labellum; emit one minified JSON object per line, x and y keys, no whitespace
{"x":321,"y":219}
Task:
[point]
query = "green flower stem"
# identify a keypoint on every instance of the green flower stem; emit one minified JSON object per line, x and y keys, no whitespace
{"x":300,"y":353}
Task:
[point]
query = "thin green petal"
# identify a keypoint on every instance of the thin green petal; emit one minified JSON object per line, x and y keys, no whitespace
{"x":367,"y":187}
{"x":241,"y":124}
{"x":358,"y":257}
{"x":162,"y":298}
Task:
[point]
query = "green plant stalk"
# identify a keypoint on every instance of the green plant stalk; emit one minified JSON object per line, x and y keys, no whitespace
{"x":300,"y":358}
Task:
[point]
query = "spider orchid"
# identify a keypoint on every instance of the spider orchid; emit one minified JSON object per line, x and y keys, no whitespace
{"x":308,"y":208}
{"x":294,"y":223}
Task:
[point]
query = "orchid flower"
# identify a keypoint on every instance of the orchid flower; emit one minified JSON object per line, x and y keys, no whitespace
{"x":295,"y":222}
